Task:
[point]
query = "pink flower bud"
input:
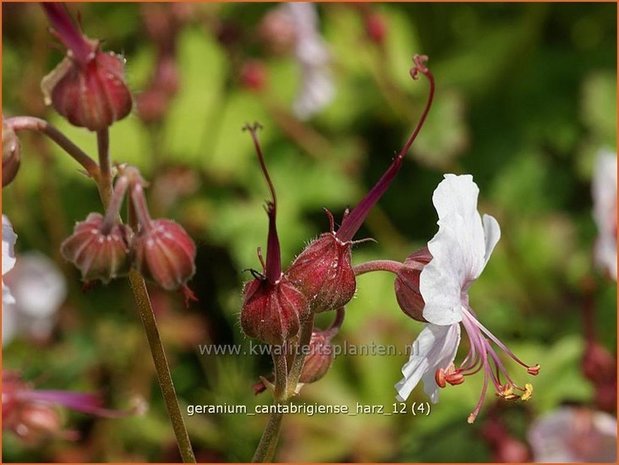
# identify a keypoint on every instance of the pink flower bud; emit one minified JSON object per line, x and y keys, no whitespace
{"x":598,"y":364}
{"x":253,"y":75}
{"x":88,"y":87}
{"x":319,"y":359}
{"x":99,"y":251}
{"x":407,"y":284}
{"x":92,"y":94}
{"x":375,"y":27}
{"x":323,"y":272}
{"x":272,"y":312}
{"x":165,"y":253}
{"x":11,"y":154}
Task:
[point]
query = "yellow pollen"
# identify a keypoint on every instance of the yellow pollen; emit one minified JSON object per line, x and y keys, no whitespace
{"x":528,"y":392}
{"x":507,"y":392}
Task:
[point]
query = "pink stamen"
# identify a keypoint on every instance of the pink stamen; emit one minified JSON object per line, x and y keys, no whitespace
{"x":494,"y":339}
{"x":482,"y":355}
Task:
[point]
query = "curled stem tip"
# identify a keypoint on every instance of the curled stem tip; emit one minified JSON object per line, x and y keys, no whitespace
{"x":273,"y":268}
{"x":353,"y":221}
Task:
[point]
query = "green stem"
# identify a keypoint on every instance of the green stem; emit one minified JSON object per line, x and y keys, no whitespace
{"x":105,"y":167}
{"x":145,"y":309}
{"x":20,"y":123}
{"x":268,"y":443}
{"x":285,"y":387}
{"x":142,"y":300}
{"x":299,"y":356}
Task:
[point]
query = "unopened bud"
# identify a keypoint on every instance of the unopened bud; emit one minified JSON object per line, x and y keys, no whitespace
{"x":253,"y":75}
{"x":11,"y":154}
{"x":272,"y":313}
{"x":598,"y":364}
{"x":319,"y":359}
{"x":165,"y":253}
{"x":375,"y":27}
{"x":407,"y":284}
{"x":166,"y":75}
{"x":323,"y":272}
{"x":99,"y":252}
{"x":152,"y":105}
{"x":93,"y":94}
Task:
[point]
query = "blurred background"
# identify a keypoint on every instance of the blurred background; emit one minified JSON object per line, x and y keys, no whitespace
{"x":525,"y":101}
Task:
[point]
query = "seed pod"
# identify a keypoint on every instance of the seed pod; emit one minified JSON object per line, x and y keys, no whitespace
{"x":323,"y":272}
{"x":319,"y":359}
{"x":98,"y":252}
{"x":165,"y":253}
{"x":272,"y":312}
{"x":92,"y":95}
{"x":407,"y":284}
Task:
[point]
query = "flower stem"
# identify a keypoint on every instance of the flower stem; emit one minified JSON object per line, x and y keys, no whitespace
{"x":20,"y":123}
{"x":105,"y":167}
{"x":378,"y":265}
{"x":285,"y":387}
{"x":145,"y":309}
{"x":297,"y":364}
{"x":268,"y":442}
{"x":142,"y":300}
{"x":266,"y":448}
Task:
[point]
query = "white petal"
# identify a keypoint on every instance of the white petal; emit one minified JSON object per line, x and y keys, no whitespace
{"x":9,"y":322}
{"x":434,"y":348}
{"x":316,"y":92}
{"x":492,"y":233}
{"x":8,"y":244}
{"x":8,"y":257}
{"x":38,"y":285}
{"x":317,"y":89}
{"x":604,"y":190}
{"x":458,"y":250}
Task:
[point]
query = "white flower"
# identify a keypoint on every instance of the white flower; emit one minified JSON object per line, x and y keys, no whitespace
{"x":574,"y":434}
{"x":604,"y":190}
{"x":8,"y":257}
{"x":460,"y":251}
{"x":39,"y":289}
{"x":317,"y":88}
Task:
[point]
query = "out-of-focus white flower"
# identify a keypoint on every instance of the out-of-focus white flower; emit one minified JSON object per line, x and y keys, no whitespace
{"x":39,"y":289}
{"x":574,"y":434}
{"x":460,"y":251}
{"x":317,"y":89}
{"x":604,"y":190}
{"x":8,"y":257}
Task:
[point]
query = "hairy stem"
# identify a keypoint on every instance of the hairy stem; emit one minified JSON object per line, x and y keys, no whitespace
{"x":378,"y":265}
{"x":145,"y":309}
{"x":268,"y":442}
{"x":299,"y":356}
{"x":285,"y":387}
{"x":142,"y":299}
{"x":105,"y":167}
{"x":21,"y":123}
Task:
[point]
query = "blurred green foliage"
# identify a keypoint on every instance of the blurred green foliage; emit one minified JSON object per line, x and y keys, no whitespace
{"x":526,"y":95}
